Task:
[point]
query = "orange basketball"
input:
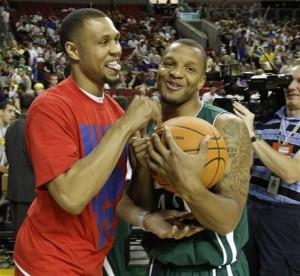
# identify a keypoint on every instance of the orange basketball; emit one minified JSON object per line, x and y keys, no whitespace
{"x":188,"y":133}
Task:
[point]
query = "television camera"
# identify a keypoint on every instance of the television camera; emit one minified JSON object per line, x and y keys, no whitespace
{"x":261,"y":94}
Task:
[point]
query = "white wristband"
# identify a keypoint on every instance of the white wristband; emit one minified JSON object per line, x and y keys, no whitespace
{"x":141,"y":218}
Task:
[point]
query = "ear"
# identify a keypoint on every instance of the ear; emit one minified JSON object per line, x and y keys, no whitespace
{"x":72,"y":50}
{"x":201,"y":82}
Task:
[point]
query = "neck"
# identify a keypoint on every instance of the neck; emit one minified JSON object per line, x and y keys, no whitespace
{"x":187,"y":109}
{"x":2,"y":124}
{"x":87,"y":85}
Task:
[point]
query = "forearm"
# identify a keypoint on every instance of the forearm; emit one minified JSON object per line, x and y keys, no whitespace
{"x":285,"y":167}
{"x":75,"y":188}
{"x":220,"y":209}
{"x":141,"y":188}
{"x":130,"y":212}
{"x":215,"y":212}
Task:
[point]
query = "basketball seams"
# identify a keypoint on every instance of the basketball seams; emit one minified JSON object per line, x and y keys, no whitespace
{"x":186,"y":127}
{"x":194,"y":130}
{"x":197,"y":150}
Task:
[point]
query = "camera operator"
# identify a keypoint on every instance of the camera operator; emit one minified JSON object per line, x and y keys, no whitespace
{"x":274,"y":197}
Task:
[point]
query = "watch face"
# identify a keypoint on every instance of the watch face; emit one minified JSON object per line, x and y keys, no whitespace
{"x":257,"y":136}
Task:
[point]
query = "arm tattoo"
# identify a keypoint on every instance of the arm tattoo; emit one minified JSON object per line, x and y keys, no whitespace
{"x":238,"y":145}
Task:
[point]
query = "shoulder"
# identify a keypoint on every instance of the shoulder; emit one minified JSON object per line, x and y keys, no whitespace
{"x":207,"y":107}
{"x":19,"y":123}
{"x":233,"y":130}
{"x":59,"y":96}
{"x":44,"y":103}
{"x":226,"y":118}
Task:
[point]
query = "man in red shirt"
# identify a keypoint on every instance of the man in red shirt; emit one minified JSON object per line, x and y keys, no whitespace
{"x":76,"y":137}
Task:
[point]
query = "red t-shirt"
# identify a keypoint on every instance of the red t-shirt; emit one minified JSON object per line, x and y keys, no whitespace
{"x":64,"y":125}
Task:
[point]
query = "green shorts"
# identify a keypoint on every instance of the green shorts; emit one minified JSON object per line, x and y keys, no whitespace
{"x":238,"y":268}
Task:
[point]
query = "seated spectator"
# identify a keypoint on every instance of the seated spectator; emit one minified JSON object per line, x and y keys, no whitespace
{"x":38,"y":88}
{"x":267,"y":60}
{"x":154,"y":59}
{"x":139,"y":80}
{"x":209,"y":96}
{"x":150,"y":79}
{"x":52,"y":80}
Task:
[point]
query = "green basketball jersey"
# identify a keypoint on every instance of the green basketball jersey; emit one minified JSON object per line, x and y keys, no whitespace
{"x":206,"y":248}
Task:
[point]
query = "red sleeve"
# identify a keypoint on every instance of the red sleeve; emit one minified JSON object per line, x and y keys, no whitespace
{"x":50,"y":139}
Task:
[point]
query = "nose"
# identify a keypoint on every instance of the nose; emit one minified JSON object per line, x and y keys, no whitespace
{"x":116,"y":49}
{"x":176,"y":72}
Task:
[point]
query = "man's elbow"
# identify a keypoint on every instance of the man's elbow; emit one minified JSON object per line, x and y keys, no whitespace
{"x":226,"y":229}
{"x":229,"y":225}
{"x":65,"y":201}
{"x":70,"y":205}
{"x":291,"y":179}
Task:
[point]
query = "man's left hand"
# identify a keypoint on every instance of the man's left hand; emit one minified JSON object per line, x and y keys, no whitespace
{"x":168,"y":224}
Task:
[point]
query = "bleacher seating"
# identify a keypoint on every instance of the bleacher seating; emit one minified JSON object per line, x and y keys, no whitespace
{"x":60,"y":9}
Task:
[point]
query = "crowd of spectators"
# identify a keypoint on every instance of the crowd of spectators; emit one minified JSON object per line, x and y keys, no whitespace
{"x":249,"y":38}
{"x":33,"y":59}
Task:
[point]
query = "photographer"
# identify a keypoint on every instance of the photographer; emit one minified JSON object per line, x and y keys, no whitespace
{"x":274,"y":197}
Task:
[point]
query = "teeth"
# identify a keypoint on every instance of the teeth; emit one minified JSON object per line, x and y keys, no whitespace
{"x":114,"y":66}
{"x":175,"y":85}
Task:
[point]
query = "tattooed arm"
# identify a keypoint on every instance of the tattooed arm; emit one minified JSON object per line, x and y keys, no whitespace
{"x":221,"y":209}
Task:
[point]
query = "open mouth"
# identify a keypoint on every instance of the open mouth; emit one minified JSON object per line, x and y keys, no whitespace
{"x":172,"y":85}
{"x":114,"y":65}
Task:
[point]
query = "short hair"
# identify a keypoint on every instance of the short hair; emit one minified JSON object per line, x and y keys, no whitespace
{"x":39,"y":85}
{"x":74,"y":21}
{"x":5,"y":103}
{"x":191,"y":43}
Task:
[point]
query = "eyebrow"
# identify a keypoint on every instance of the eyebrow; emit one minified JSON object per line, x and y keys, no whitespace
{"x":189,"y":63}
{"x":117,"y":34}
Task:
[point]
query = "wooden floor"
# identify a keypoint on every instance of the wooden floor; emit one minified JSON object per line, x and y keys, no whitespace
{"x":7,"y":272}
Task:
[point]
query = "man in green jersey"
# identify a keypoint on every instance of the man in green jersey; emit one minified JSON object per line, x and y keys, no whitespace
{"x":217,"y":250}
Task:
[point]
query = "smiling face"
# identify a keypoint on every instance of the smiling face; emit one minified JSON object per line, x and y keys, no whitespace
{"x":96,"y":52}
{"x":292,"y":93}
{"x":181,"y":74}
